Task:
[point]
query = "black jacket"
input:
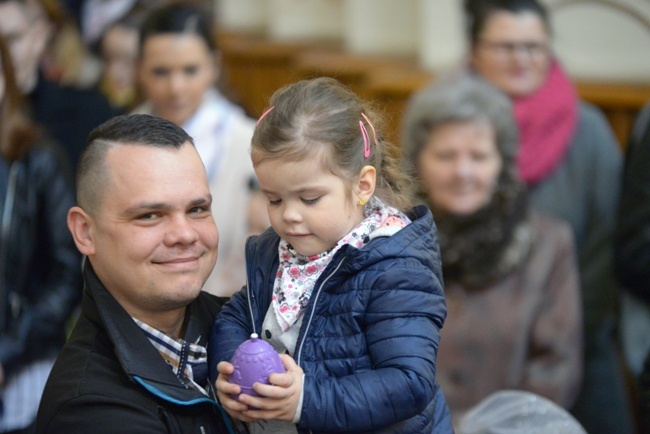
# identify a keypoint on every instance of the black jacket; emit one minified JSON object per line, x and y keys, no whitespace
{"x":109,"y":378}
{"x":632,"y":258}
{"x":40,"y":267}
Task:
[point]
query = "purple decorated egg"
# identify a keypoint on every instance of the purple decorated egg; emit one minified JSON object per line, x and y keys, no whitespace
{"x":254,"y":360}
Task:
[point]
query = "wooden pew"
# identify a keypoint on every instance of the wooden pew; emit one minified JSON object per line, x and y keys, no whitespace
{"x":255,"y":67}
{"x":620,"y":103}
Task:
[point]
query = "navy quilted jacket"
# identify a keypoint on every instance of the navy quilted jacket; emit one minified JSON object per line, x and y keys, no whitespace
{"x":369,"y":338}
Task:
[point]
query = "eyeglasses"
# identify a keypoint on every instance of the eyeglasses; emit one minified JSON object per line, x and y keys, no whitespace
{"x":504,"y":50}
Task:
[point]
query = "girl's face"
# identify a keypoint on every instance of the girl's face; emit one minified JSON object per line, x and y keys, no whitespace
{"x":309,"y":207}
{"x":175,"y":71}
{"x":459,"y":167}
{"x":512,"y":52}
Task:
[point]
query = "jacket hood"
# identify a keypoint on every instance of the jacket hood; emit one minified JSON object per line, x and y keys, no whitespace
{"x":417,"y":240}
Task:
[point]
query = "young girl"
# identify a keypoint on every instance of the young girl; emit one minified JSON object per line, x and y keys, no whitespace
{"x":345,"y":285}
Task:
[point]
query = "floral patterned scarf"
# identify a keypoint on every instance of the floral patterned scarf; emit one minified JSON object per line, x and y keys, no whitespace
{"x":297,"y":274}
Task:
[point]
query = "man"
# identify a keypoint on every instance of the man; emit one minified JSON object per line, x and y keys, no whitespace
{"x":136,"y":360}
{"x":68,"y":112}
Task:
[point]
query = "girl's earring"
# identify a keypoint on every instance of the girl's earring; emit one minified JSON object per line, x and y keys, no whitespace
{"x":362,"y":202}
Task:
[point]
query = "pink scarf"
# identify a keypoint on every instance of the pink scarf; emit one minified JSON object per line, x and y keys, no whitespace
{"x":546,"y":121}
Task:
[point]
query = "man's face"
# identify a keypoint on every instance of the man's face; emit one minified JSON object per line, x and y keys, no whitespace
{"x":26,"y":30}
{"x":154,"y":241}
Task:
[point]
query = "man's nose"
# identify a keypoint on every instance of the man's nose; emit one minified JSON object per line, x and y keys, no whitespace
{"x":181,"y":231}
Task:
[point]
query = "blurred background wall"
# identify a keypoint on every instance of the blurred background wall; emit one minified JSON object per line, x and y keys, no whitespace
{"x":386,"y":49}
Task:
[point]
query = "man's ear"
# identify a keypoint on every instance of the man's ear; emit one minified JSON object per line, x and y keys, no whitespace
{"x":82,"y":227}
{"x":366,"y":183}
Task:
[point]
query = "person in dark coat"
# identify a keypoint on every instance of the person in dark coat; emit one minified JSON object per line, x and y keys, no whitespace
{"x":632,"y":261}
{"x":40,"y":277}
{"x":570,"y":161}
{"x":136,"y":361}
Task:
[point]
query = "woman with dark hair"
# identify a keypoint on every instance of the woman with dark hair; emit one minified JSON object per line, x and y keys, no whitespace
{"x":178,"y":69}
{"x":571,"y":163}
{"x":511,"y":275}
{"x":40,"y":274}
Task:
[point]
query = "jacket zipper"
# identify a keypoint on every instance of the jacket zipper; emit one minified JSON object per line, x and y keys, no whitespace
{"x":250,"y":304}
{"x":311,"y":315}
{"x":313,"y":309}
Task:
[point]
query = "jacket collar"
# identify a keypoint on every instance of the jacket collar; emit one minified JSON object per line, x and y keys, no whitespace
{"x":139,"y":359}
{"x":418,"y":239}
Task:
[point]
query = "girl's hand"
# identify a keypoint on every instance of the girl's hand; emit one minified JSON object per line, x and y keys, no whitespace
{"x":279,"y":399}
{"x":225,"y":392}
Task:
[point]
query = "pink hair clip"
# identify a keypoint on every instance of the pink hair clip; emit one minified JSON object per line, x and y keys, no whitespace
{"x":266,"y":112}
{"x":366,"y":138}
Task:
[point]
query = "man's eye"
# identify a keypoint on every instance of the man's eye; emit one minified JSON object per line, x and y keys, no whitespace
{"x":199,"y":209}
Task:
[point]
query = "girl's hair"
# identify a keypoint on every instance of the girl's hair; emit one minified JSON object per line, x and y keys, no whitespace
{"x":478,"y":12}
{"x":459,"y":99}
{"x":17,"y":131}
{"x":320,"y":118}
{"x":181,"y":18}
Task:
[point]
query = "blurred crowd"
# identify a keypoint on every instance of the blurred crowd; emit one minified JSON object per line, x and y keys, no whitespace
{"x":544,"y":222}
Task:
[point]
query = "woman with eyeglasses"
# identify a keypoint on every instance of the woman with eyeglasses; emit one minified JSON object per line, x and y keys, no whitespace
{"x":571,"y":162}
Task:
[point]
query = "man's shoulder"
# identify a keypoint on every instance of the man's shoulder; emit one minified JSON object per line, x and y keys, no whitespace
{"x":210,"y":302}
{"x":99,"y":413}
{"x":87,"y":380}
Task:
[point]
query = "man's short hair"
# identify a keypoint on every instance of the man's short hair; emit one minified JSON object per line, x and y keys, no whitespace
{"x":135,"y":129}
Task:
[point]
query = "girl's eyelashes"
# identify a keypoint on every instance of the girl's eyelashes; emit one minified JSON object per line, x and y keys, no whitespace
{"x":310,"y":201}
